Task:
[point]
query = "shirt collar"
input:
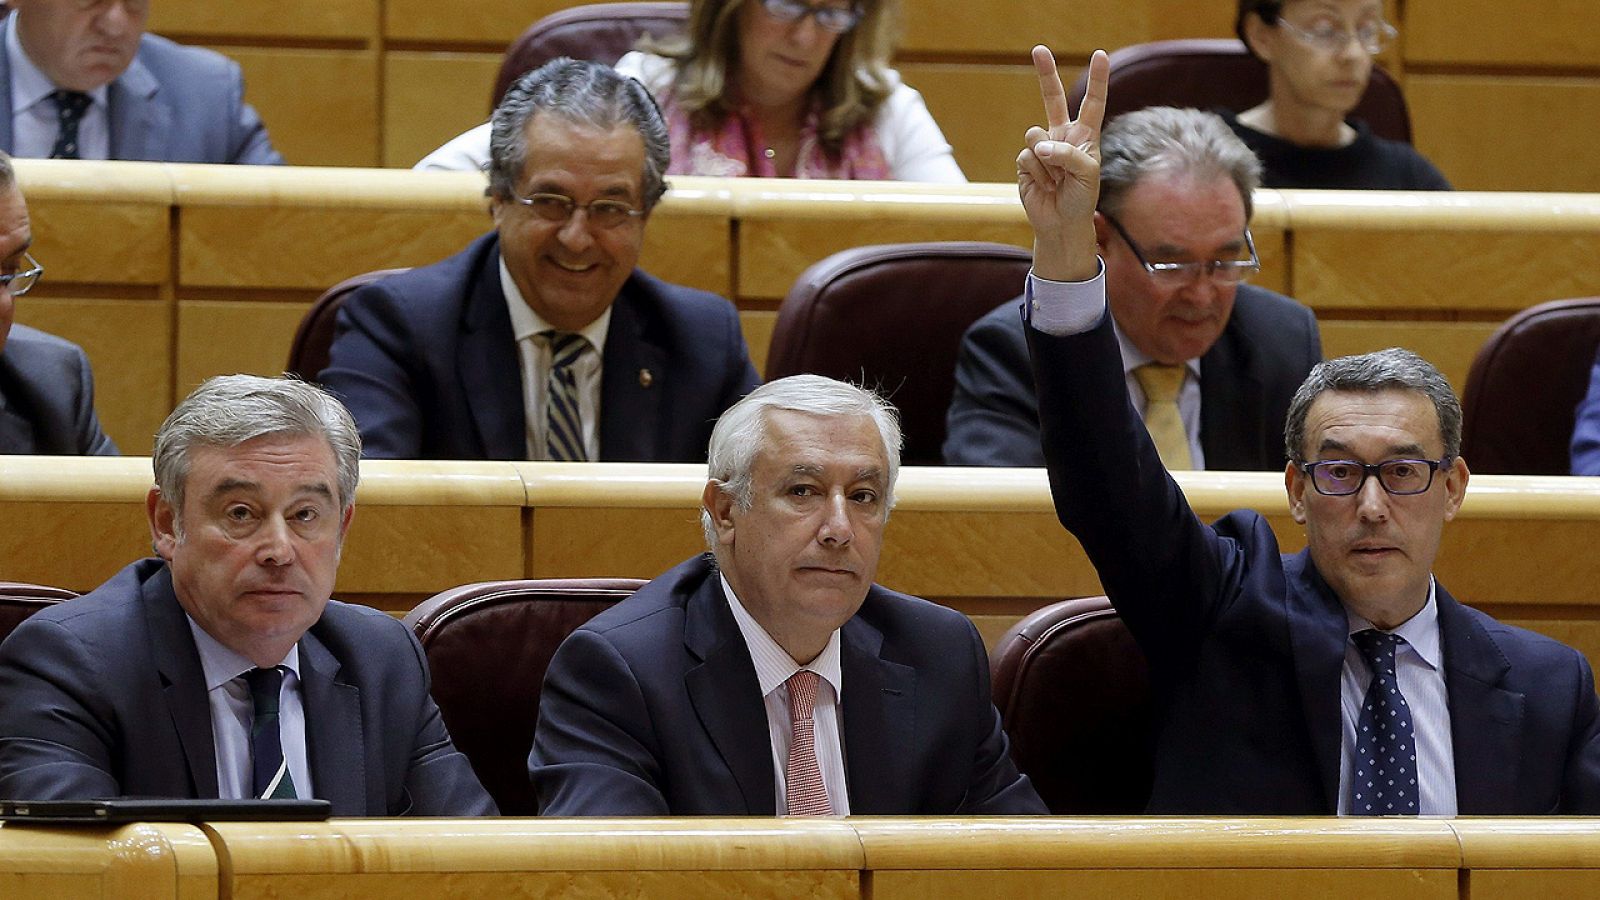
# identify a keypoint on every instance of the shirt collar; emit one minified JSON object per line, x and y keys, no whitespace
{"x":29,"y":85}
{"x":773,"y":664}
{"x":1133,"y":357}
{"x":1421,"y":631}
{"x":525,"y":323}
{"x":223,"y":664}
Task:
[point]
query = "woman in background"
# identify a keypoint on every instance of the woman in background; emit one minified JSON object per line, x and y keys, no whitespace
{"x":792,"y":88}
{"x":1319,"y":59}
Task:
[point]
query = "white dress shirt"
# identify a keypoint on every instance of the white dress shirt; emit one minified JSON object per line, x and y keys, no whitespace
{"x":34,"y":117}
{"x":1188,"y":393}
{"x":533,"y":353}
{"x":232,"y":711}
{"x":1419,"y":667}
{"x":773,"y":667}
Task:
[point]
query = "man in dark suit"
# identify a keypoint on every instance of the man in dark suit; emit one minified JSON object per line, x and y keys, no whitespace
{"x":83,"y":81}
{"x":1176,"y":187}
{"x":46,"y":391}
{"x":777,"y":678}
{"x":1339,"y":679}
{"x":543,"y":340}
{"x":222,"y":669}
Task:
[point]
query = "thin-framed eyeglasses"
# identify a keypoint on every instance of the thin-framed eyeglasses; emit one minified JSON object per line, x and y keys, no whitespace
{"x":1342,"y":477}
{"x":20,"y":283}
{"x":837,"y":19}
{"x":1227,"y":271}
{"x":602,"y":213}
{"x":1333,"y":37}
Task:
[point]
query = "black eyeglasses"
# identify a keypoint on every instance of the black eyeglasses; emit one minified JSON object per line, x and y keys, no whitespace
{"x":1227,"y":271}
{"x":1341,"y":477}
{"x":20,"y":283}
{"x":602,"y":213}
{"x":837,"y":19}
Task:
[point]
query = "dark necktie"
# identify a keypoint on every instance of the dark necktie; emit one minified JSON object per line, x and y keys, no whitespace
{"x":70,"y":107}
{"x":1385,"y":767}
{"x":270,"y":778}
{"x":563,"y":435}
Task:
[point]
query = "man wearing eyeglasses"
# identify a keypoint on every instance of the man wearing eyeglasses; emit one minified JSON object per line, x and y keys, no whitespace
{"x":1209,"y":361}
{"x":46,"y":390}
{"x":543,"y":340}
{"x":1342,"y":679}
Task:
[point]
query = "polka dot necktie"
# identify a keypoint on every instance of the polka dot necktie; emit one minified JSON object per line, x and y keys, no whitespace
{"x":70,"y":107}
{"x":1384,"y":779}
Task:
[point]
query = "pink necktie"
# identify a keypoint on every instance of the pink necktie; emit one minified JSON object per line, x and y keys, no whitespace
{"x":801,"y":775}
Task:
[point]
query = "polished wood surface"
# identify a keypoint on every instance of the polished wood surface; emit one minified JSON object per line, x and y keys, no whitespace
{"x":131,"y":862}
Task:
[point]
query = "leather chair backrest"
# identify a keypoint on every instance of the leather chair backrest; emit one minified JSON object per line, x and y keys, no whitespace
{"x":1524,"y":388}
{"x":1073,"y":692}
{"x":602,"y":32}
{"x":488,"y":646}
{"x":308,"y":352}
{"x":1206,"y":73}
{"x":891,"y":317}
{"x":19,"y":600}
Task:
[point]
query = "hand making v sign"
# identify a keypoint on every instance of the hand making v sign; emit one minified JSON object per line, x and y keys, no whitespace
{"x":1058,"y":173}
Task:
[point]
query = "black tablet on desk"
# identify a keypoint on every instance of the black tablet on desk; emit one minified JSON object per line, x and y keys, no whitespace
{"x":157,"y":809}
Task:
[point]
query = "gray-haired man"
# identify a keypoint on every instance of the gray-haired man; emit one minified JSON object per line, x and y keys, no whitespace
{"x":543,"y":340}
{"x":221,"y":668}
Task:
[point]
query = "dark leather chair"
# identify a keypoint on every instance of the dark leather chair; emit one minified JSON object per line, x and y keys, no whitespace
{"x":1219,"y":72}
{"x":1524,"y":388}
{"x":488,"y":646}
{"x":19,"y":600}
{"x":308,"y":352}
{"x":1073,"y":692}
{"x":891,"y":318}
{"x":602,"y":32}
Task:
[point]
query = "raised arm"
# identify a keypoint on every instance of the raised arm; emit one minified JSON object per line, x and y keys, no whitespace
{"x":1058,"y":172}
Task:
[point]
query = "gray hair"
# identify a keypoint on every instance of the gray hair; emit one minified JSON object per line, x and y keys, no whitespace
{"x":1160,"y":140}
{"x":741,"y":432}
{"x":229,"y":410}
{"x":8,"y":172}
{"x":1393,"y":369}
{"x":583,"y":93}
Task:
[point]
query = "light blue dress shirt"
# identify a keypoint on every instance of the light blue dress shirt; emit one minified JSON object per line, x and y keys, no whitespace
{"x":34,"y":122}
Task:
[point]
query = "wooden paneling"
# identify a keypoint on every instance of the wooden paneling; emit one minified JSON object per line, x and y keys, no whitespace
{"x":430,"y":97}
{"x":340,"y":128}
{"x":133,"y":862}
{"x":1169,"y":884}
{"x":1492,"y":32}
{"x":986,"y":145}
{"x":266,"y":19}
{"x":222,"y":337}
{"x":1450,"y":346}
{"x":492,"y":22}
{"x":1545,"y":152}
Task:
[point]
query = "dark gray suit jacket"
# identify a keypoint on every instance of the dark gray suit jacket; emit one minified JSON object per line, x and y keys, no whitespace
{"x":104,"y":696}
{"x":653,"y":708}
{"x":173,"y":104}
{"x":1247,"y":379}
{"x":47,"y":397}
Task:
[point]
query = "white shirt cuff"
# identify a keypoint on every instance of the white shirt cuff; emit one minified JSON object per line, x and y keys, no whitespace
{"x":1062,"y":308}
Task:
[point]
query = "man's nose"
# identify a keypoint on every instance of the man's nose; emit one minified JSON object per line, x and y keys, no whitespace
{"x":276,"y":547}
{"x":836,"y":529}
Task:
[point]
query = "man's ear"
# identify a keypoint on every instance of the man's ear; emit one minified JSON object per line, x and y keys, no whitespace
{"x":719,"y":503}
{"x":1294,"y":483}
{"x":1259,"y":36}
{"x":163,"y":523}
{"x":1102,"y":232}
{"x":1455,"y":483}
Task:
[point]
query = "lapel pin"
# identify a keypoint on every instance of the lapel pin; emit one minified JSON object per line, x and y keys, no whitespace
{"x":645,"y":378}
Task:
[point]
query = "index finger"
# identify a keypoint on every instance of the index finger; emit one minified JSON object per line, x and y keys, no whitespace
{"x":1051,"y":90}
{"x":1092,"y":112}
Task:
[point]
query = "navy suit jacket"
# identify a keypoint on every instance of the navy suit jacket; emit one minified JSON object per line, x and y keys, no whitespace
{"x":1248,"y":377}
{"x":653,"y":708}
{"x":1246,"y":646}
{"x":173,"y":104}
{"x":427,"y":363}
{"x":47,"y":397}
{"x":104,"y":696}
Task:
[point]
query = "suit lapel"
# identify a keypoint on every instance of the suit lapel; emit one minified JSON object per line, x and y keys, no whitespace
{"x":488,"y":365}
{"x":1318,"y":632}
{"x":727,"y":697}
{"x":879,"y":701}
{"x":334,"y":747}
{"x":1231,"y":425}
{"x":183,"y":680}
{"x":1485,"y":719}
{"x":631,"y":382}
{"x":139,"y":126}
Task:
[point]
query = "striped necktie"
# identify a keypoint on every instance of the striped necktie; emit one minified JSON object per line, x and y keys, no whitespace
{"x":802,"y":774}
{"x":1162,"y":418}
{"x":270,"y":779}
{"x":563,"y":436}
{"x":70,"y":107}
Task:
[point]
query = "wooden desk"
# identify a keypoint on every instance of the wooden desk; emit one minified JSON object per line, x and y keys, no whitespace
{"x":132,"y":862}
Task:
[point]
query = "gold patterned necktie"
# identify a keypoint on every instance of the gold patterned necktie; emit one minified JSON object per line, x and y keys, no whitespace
{"x":1162,"y":418}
